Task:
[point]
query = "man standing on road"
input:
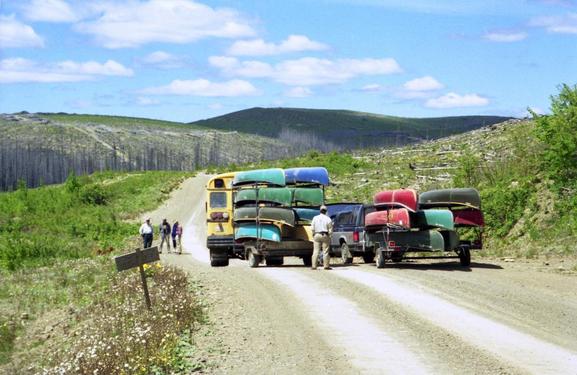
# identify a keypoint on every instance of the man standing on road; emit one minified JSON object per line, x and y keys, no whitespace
{"x":322,"y":227}
{"x":146,"y":234}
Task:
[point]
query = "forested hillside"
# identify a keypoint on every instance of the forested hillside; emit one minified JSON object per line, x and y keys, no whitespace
{"x":44,"y":149}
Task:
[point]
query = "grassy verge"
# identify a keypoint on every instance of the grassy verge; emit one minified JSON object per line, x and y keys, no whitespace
{"x":61,"y":298}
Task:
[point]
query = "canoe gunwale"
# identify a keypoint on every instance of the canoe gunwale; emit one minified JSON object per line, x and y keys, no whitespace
{"x":393,"y":205}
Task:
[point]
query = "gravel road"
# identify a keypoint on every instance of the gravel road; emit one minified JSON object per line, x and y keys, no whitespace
{"x":423,"y":317}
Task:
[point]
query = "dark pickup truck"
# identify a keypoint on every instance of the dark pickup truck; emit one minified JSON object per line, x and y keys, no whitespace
{"x":348,"y":238}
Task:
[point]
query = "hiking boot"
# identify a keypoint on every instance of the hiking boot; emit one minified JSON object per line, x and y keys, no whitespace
{"x":328,"y":268}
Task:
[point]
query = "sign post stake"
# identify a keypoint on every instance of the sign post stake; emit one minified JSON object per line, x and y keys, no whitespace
{"x":143,"y":278}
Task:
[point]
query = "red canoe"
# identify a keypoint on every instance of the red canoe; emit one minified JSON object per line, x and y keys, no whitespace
{"x":397,"y":216}
{"x":469,"y":217}
{"x":401,"y":198}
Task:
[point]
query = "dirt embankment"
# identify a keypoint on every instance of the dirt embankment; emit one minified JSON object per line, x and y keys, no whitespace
{"x":493,"y":317}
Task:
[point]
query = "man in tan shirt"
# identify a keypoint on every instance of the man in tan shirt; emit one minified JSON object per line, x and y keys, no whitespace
{"x":321,"y":226}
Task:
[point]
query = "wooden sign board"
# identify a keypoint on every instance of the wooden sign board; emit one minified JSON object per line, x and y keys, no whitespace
{"x":137,"y":258}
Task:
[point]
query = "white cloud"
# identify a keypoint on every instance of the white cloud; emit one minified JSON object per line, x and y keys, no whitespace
{"x":307,"y":71}
{"x":203,"y":87}
{"x":24,"y":70}
{"x":49,"y":11}
{"x":16,"y":34}
{"x":135,"y":23}
{"x":372,"y":87}
{"x":258,"y":47}
{"x":299,"y":92}
{"x":109,"y":68}
{"x":452,"y":100}
{"x":566,"y":24}
{"x":146,"y":101}
{"x":505,"y":36}
{"x":163,"y":60}
{"x":426,"y":83}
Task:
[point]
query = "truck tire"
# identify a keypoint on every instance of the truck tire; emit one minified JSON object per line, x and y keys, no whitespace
{"x":274,"y":261}
{"x":380,"y":259}
{"x":368,"y":257}
{"x":346,"y":254}
{"x":253,"y":259}
{"x":465,"y":256}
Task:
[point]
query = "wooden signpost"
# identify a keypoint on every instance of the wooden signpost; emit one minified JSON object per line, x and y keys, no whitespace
{"x":138,"y":259}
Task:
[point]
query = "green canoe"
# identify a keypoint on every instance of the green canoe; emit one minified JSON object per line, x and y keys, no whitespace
{"x":424,"y":240}
{"x":451,"y":238}
{"x":428,"y":219}
{"x":273,"y":176}
{"x":266,"y":214}
{"x":468,"y":197}
{"x":308,"y":196}
{"x":245,"y":231}
{"x":281,"y":196}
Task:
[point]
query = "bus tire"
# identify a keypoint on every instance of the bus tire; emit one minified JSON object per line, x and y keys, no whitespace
{"x":218,"y":261}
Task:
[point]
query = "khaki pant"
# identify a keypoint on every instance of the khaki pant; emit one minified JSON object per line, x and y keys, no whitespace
{"x":164,"y":239}
{"x":324,"y":241}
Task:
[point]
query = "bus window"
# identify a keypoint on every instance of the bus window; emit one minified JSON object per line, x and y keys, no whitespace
{"x":219,"y":183}
{"x":218,"y":200}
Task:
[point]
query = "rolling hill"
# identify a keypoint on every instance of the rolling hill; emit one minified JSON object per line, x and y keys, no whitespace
{"x":44,"y":148}
{"x":341,"y":129}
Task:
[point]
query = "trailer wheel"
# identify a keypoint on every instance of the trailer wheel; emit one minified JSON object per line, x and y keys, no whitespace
{"x":465,"y":256}
{"x":308,"y":261}
{"x":346,"y":254}
{"x":380,"y":259}
{"x":368,"y":257}
{"x":253,"y":259}
{"x":274,"y":261}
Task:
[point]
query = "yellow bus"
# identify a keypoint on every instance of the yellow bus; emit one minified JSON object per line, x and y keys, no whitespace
{"x":219,"y":212}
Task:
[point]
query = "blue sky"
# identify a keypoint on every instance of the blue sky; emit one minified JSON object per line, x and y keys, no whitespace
{"x":186,"y":60}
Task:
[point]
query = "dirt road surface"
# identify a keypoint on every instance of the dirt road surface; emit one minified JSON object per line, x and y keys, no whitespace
{"x":491,"y":318}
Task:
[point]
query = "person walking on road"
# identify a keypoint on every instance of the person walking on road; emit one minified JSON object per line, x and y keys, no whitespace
{"x":164,"y":235}
{"x":322,"y":227}
{"x":175,"y":236}
{"x":179,"y":238}
{"x":146,"y":232}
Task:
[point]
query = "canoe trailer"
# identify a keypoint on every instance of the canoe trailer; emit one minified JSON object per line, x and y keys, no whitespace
{"x":387,"y":250}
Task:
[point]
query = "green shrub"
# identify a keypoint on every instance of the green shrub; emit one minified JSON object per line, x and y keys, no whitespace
{"x":93,"y":194}
{"x":558,"y":132}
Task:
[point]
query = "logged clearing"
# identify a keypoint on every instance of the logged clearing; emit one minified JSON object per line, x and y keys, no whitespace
{"x":420,"y":317}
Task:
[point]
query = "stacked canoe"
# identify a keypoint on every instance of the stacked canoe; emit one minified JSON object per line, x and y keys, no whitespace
{"x":425,"y":222}
{"x":275,"y":204}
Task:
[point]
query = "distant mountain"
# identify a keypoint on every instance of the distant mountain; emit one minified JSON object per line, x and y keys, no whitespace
{"x":341,"y":129}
